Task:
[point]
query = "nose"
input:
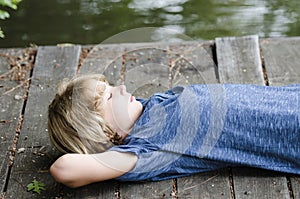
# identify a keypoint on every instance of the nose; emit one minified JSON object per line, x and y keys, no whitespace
{"x":122,"y":89}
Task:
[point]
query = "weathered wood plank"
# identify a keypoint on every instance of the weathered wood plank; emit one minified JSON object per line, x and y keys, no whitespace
{"x":104,"y":59}
{"x":13,"y":90}
{"x":20,"y":179}
{"x":147,"y":69}
{"x":281,"y":58}
{"x":105,"y":189}
{"x":146,"y":72}
{"x":162,"y":189}
{"x":205,"y":185}
{"x":239,"y":62}
{"x":295,"y":183}
{"x":52,"y":65}
{"x":193,"y":63}
{"x":256,"y":183}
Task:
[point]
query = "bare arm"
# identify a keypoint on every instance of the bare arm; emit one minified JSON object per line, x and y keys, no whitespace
{"x":75,"y":170}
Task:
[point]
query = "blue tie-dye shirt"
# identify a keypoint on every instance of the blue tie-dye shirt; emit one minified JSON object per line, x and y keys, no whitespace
{"x":200,"y":128}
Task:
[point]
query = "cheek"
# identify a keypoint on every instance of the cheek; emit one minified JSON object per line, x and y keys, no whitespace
{"x":135,"y":110}
{"x":120,"y":111}
{"x":107,"y":113}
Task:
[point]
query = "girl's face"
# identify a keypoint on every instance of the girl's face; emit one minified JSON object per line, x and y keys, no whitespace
{"x":120,"y":108}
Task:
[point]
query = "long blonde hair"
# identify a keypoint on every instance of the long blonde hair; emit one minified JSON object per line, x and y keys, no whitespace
{"x":75,"y":122}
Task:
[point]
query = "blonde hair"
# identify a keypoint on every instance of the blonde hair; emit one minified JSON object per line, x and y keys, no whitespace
{"x":75,"y":121}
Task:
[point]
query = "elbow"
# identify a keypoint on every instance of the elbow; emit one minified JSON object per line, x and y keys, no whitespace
{"x":61,"y":170}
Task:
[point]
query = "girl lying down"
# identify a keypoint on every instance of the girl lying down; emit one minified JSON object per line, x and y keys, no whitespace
{"x":106,"y":133}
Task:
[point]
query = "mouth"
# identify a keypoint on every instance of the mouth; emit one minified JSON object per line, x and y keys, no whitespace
{"x":132,"y":98}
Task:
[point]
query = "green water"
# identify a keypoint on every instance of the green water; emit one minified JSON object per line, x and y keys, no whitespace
{"x":48,"y":22}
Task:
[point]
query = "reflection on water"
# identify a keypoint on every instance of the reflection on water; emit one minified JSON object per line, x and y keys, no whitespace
{"x":93,"y":21}
{"x":147,"y":5}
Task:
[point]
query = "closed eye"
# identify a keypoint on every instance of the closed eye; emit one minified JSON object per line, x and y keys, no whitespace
{"x":110,"y":96}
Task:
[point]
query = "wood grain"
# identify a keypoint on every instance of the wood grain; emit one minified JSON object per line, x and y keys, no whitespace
{"x":12,"y":97}
{"x":239,"y":60}
{"x":52,"y":65}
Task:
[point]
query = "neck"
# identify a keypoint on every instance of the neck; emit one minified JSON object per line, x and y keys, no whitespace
{"x":123,"y":133}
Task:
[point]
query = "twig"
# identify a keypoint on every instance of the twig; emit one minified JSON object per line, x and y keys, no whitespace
{"x":8,"y":56}
{"x":188,"y":188}
{"x":7,"y":73}
{"x":14,"y":88}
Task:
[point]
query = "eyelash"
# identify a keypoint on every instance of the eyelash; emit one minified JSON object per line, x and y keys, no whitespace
{"x":110,"y":96}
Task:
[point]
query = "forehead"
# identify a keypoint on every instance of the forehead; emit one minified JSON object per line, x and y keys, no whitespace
{"x":94,"y":83}
{"x":101,"y":86}
{"x":94,"y":87}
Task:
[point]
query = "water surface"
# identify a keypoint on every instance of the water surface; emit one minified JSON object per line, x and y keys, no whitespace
{"x":49,"y":22}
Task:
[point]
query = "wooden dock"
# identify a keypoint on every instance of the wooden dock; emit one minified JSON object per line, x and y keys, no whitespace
{"x":28,"y":78}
